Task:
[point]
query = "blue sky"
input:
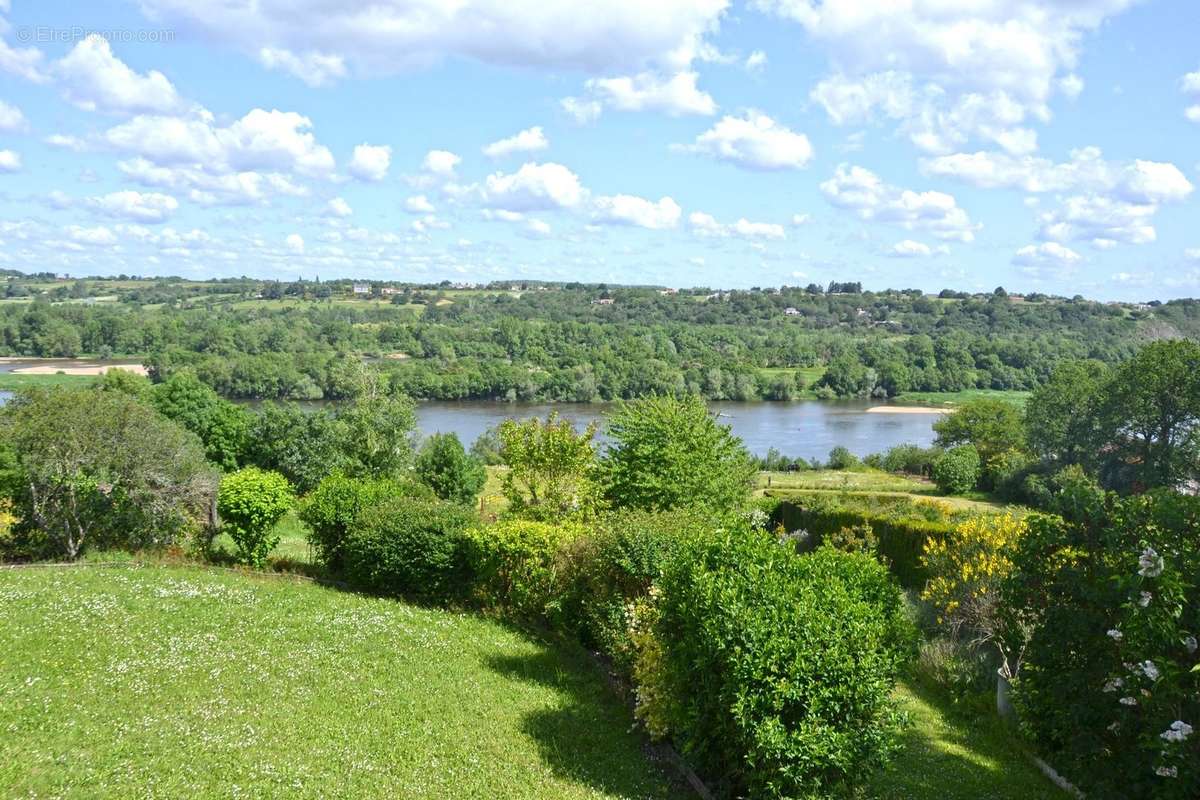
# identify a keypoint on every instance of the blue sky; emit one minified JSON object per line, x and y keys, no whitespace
{"x":1043,"y":145}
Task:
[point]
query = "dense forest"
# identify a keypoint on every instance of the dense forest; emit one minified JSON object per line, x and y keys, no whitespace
{"x":577,"y":343}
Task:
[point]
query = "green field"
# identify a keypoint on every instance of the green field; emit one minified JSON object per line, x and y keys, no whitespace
{"x":10,"y":382}
{"x":865,"y":483}
{"x":958,"y":398}
{"x":183,"y":682}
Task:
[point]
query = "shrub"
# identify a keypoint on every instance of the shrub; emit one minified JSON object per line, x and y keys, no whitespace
{"x":841,"y":458}
{"x":550,"y":468}
{"x":669,"y":452}
{"x":966,"y":570}
{"x":957,"y":470}
{"x":332,"y":509}
{"x":409,"y":547}
{"x":1110,"y":688}
{"x":444,"y":466}
{"x":775,"y":670}
{"x":251,"y":501}
{"x":519,"y":565}
{"x":910,"y":459}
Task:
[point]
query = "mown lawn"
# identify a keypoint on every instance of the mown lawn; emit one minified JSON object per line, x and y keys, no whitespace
{"x":184,"y":682}
{"x":866,"y":483}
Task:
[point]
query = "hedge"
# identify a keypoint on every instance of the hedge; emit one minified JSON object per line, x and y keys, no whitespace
{"x":901,"y":540}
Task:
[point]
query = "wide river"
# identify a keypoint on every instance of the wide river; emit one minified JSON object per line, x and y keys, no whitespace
{"x":804,"y":428}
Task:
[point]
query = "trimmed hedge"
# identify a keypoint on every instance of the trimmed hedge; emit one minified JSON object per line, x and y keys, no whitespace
{"x":901,"y":540}
{"x":518,"y":565}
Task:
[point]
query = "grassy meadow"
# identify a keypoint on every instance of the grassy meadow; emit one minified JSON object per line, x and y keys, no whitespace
{"x":186,"y":682}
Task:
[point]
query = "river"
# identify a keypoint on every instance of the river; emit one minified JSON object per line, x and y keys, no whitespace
{"x":802,"y":429}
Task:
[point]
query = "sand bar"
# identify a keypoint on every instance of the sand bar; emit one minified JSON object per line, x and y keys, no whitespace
{"x":93,"y":370}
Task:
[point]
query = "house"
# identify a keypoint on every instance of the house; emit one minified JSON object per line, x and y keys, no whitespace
{"x":362,"y":288}
{"x":603,"y":301}
{"x":388,"y":291}
{"x":791,"y":312}
{"x":668,"y":291}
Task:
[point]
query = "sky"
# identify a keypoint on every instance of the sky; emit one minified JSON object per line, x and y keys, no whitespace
{"x":1041,"y":145}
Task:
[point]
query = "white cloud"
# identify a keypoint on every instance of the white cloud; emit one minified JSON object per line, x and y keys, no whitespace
{"x":756,"y":61}
{"x":1190,"y":83}
{"x":910,"y":249}
{"x":703,"y":224}
{"x":534,"y":187}
{"x":135,"y":206}
{"x":582,"y":111}
{"x":99,"y":236}
{"x":753,"y":141}
{"x":1049,"y":253}
{"x":859,"y":190}
{"x":233,"y":188}
{"x":1192,"y":254}
{"x":537,"y":228}
{"x":440,"y":162}
{"x":619,"y":36}
{"x":1095,"y":217}
{"x":9,"y":161}
{"x":649,"y":91}
{"x":315,"y":69}
{"x":1071,"y":86}
{"x":92,"y":78}
{"x":801,"y":219}
{"x":851,"y":101}
{"x":11,"y":119}
{"x":66,"y":142}
{"x":261,"y":140}
{"x":527,"y":141}
{"x":1192,"y":113}
{"x":419,"y":204}
{"x":295,"y":243}
{"x":25,"y":62}
{"x":338,"y":207}
{"x":625,"y":209}
{"x":370,"y":162}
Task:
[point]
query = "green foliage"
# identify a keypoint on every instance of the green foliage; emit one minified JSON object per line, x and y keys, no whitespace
{"x":445,"y":467}
{"x":486,"y":448}
{"x":738,"y":613}
{"x":1110,"y":672}
{"x":841,"y":458}
{"x":957,"y":471}
{"x":1061,"y":415}
{"x":669,"y":452}
{"x":222,"y":426}
{"x":251,"y":501}
{"x":550,"y":468}
{"x":125,"y":382}
{"x":993,"y":427}
{"x":377,"y":435}
{"x":331,"y":510}
{"x":910,"y":459}
{"x":519,"y":565}
{"x":410,"y":548}
{"x":98,"y":467}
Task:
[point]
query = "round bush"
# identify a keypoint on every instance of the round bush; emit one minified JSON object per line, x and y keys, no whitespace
{"x":519,"y":565}
{"x":251,"y":501}
{"x":775,"y":670}
{"x":411,"y":548}
{"x":957,"y":470}
{"x":333,"y":507}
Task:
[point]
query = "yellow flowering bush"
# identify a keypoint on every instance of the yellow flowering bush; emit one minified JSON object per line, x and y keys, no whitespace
{"x":966,"y":570}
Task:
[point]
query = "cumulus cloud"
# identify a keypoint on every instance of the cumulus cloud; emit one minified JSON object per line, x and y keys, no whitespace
{"x":625,"y":209}
{"x":1049,"y":253}
{"x":10,"y":161}
{"x":859,"y":190}
{"x":675,"y":95}
{"x":315,"y":69}
{"x":581,"y":110}
{"x":756,"y":61}
{"x":440,"y":162}
{"x":99,"y":236}
{"x":295,"y":243}
{"x":135,"y":206}
{"x":703,"y":224}
{"x":338,"y":207}
{"x":753,"y":141}
{"x":418,"y":204}
{"x":913,"y":249}
{"x":1190,"y":84}
{"x":11,"y":119}
{"x":205,"y":188}
{"x":370,"y":162}
{"x":527,"y":141}
{"x":534,"y":187}
{"x":94,"y":79}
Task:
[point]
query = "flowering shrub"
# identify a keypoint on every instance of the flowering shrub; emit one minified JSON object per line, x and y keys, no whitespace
{"x":1110,"y":690}
{"x":966,"y":570}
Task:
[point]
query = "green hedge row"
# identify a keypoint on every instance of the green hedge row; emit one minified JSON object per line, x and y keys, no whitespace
{"x":901,"y":540}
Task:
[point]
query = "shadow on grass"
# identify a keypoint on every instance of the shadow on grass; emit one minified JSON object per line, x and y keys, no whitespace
{"x":949,"y":756}
{"x":586,"y":738}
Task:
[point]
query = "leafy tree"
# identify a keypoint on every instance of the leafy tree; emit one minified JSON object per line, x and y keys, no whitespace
{"x":486,"y":447}
{"x":251,"y":502}
{"x":1061,"y":415}
{"x":377,"y":436}
{"x":445,"y":467}
{"x":304,"y":447}
{"x":222,"y":426}
{"x":993,"y":427}
{"x":669,"y":452}
{"x":841,"y":458}
{"x":91,"y":462}
{"x":124,"y":381}
{"x":957,"y":470}
{"x":1150,"y":417}
{"x":550,"y":468}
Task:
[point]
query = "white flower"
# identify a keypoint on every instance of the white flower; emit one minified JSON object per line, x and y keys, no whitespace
{"x":1190,"y":643}
{"x":1114,"y":684}
{"x":1150,"y":563}
{"x":1167,"y":772}
{"x":1149,"y":670}
{"x":1144,"y":600}
{"x":1178,"y":732}
{"x":1115,"y":635}
{"x":1128,"y":701}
